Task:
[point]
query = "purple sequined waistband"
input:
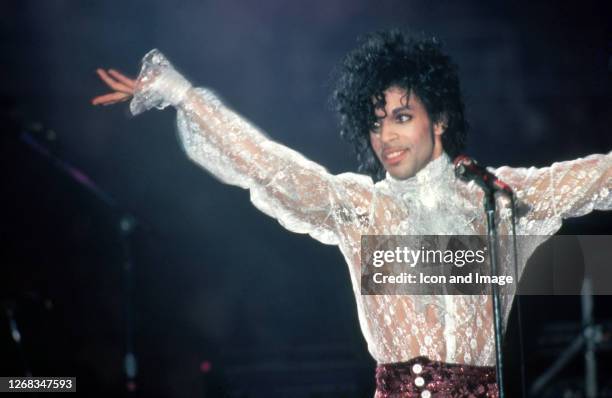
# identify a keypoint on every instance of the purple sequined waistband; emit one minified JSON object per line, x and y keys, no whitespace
{"x":423,"y":378}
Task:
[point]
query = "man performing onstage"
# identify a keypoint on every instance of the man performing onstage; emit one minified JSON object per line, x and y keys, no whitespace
{"x":401,"y":107}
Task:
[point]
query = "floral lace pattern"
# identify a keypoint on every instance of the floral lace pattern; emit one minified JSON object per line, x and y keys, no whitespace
{"x":338,"y":209}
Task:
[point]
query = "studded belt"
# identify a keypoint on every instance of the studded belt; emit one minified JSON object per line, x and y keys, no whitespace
{"x":423,"y":378}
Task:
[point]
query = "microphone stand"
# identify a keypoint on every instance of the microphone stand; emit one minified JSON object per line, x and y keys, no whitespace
{"x":589,"y":338}
{"x":467,"y":169}
{"x":126,"y":223}
{"x":489,"y":206}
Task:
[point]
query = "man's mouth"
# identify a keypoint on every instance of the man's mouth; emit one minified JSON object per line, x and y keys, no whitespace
{"x":394,"y":156}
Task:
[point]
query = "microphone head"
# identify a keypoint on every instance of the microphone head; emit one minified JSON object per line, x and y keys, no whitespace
{"x":460,"y":163}
{"x":465,"y":160}
{"x":460,"y":159}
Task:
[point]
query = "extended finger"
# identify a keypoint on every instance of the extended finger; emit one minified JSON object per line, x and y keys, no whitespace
{"x":111,"y":98}
{"x":122,"y":78}
{"x":112,"y":83}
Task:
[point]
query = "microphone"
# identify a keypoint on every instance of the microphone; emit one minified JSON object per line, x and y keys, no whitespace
{"x":467,"y":169}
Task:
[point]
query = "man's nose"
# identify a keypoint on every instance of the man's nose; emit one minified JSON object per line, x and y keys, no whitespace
{"x":387,"y":133}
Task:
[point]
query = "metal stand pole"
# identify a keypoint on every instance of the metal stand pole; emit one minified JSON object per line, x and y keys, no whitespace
{"x":127,"y":224}
{"x":489,"y":205}
{"x":590,"y":339}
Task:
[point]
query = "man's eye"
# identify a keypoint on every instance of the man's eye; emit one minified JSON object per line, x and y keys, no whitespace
{"x":403,"y":118}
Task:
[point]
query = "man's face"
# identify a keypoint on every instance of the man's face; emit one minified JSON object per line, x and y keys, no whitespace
{"x":404,"y":138}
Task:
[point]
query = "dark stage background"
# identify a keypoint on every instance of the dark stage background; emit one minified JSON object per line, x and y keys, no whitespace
{"x":225,"y":301}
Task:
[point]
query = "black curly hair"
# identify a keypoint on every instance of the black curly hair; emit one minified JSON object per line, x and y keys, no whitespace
{"x":393,"y":58}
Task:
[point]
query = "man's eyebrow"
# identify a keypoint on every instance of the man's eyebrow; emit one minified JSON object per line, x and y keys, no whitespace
{"x":401,"y":108}
{"x":396,"y":111}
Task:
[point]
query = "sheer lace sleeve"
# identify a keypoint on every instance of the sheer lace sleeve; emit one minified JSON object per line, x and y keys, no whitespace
{"x":563,"y":190}
{"x":299,"y":193}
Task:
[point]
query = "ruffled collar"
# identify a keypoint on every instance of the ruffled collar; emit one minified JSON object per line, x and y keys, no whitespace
{"x":436,"y":176}
{"x":434,"y":200}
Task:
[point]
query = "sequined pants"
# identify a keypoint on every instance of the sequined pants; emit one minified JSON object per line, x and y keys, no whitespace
{"x":423,"y":378}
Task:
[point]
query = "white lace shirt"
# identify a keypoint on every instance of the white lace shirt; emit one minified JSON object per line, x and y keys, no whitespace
{"x":339,"y":209}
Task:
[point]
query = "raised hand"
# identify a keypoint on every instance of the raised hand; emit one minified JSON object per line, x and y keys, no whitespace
{"x":124,"y":87}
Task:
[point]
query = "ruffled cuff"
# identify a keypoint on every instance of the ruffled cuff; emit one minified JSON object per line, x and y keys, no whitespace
{"x":158,"y":84}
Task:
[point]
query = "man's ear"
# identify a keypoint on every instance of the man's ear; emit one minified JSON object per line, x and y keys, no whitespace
{"x":441,"y":125}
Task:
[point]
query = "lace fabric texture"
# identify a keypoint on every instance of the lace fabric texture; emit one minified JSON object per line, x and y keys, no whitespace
{"x":338,"y":209}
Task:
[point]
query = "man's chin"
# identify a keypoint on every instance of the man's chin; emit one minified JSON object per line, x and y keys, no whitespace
{"x":401,"y":174}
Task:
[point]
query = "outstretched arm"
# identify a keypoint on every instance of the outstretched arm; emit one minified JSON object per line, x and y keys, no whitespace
{"x":299,"y":193}
{"x":562,"y":190}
